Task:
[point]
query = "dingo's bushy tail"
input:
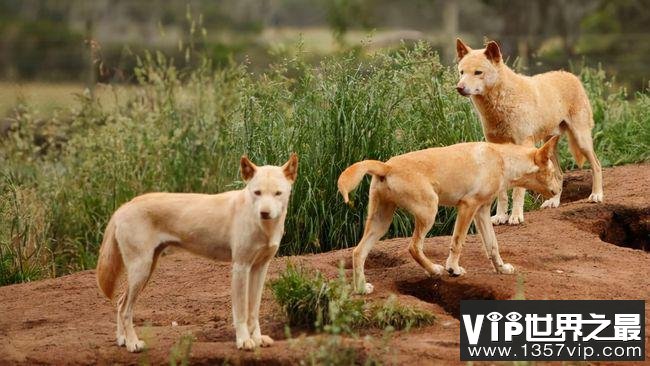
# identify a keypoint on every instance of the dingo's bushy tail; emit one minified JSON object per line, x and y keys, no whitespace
{"x":109,"y":264}
{"x":350,"y":178}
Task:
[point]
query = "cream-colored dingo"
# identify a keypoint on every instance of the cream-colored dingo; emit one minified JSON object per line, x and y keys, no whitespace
{"x":244,"y":227}
{"x":467,"y":176}
{"x":523,"y":110}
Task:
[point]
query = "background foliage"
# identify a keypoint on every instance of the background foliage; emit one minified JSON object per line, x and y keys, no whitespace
{"x":184,"y":129}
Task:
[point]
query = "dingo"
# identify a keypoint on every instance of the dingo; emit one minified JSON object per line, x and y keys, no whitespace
{"x":244,"y":227}
{"x":524,"y":110}
{"x":466,"y":175}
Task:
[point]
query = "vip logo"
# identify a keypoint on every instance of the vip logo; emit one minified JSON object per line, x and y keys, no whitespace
{"x":552,"y":330}
{"x":512,"y":327}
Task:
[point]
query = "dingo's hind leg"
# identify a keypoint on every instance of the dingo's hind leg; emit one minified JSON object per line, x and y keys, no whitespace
{"x":425,"y":216}
{"x":581,"y":136}
{"x":466,"y":212}
{"x":137,"y":275}
{"x":380,"y":215}
{"x":555,"y":200}
{"x":120,"y":335}
{"x":139,"y":256}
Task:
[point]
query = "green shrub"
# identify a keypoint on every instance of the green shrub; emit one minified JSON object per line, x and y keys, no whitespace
{"x":302,"y":296}
{"x":308,"y":299}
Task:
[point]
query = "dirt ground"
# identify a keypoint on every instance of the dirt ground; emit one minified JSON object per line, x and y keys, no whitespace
{"x":558,"y":253}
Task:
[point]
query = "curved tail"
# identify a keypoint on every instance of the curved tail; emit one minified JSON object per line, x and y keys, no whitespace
{"x":350,"y":178}
{"x":109,"y":263}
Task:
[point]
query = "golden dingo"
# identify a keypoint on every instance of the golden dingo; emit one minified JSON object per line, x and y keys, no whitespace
{"x":467,"y":176}
{"x":524,"y":110}
{"x":244,"y":227}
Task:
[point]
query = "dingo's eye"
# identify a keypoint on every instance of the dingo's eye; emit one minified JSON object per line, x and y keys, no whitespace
{"x":478,"y":72}
{"x":462,"y":72}
{"x":278,"y":193}
{"x":258,"y":193}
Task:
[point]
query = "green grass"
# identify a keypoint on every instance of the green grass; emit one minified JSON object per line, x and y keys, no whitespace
{"x":183,"y":130}
{"x":308,"y":299}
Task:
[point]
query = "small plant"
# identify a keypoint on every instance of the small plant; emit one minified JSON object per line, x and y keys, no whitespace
{"x":398,"y":316}
{"x":344,"y":312}
{"x":302,"y":295}
{"x":180,"y":352}
{"x":308,"y":299}
{"x":332,"y":351}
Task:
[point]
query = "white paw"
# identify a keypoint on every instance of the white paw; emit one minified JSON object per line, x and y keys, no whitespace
{"x":596,"y":197}
{"x":516,"y":219}
{"x":552,"y":202}
{"x":246,"y":344}
{"x":368,"y":288}
{"x":135,"y":346}
{"x":499,"y":219}
{"x":438,"y":270}
{"x":456,"y":272}
{"x":121,"y":340}
{"x":264,"y":341}
{"x":506,"y":268}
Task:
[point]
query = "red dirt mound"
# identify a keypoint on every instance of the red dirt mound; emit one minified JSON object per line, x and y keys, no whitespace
{"x":577,"y":251}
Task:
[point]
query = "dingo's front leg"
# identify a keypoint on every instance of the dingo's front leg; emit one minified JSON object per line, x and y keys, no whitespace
{"x":555,"y":200}
{"x":240,"y":283}
{"x":501,"y":216}
{"x":552,"y":202}
{"x":519,"y":194}
{"x":256,"y":287}
{"x":517,"y":215}
{"x":485,"y":229}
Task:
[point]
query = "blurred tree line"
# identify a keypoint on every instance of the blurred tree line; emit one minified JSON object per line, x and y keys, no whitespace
{"x":81,"y":40}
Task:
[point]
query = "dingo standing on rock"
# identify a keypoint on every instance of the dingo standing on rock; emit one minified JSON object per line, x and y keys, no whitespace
{"x":244,"y":227}
{"x":467,"y":176}
{"x":524,"y":110}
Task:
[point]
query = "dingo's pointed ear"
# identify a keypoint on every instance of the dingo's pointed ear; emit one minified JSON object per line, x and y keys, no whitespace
{"x":461,"y":48}
{"x":290,"y":168}
{"x":546,"y":152}
{"x":247,"y":168}
{"x":492,"y":52}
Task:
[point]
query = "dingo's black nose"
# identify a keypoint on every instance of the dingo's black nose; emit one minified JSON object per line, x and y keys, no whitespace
{"x":265,"y":215}
{"x":461,"y":91}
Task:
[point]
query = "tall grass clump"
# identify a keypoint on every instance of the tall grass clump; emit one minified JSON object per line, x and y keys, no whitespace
{"x":183,"y":129}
